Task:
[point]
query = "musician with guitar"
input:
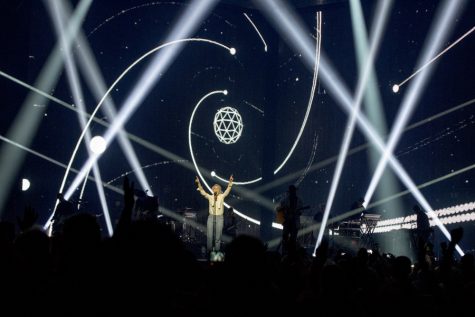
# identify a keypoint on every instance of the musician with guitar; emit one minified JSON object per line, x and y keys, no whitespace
{"x":289,"y":211}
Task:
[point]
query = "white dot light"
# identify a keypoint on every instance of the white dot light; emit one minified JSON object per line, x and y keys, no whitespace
{"x":232,"y":50}
{"x":25,"y":184}
{"x":213,"y":174}
{"x":225,"y":92}
{"x":97,"y":145}
{"x":395,"y":88}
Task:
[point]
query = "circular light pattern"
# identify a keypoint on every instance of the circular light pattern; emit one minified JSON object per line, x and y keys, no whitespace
{"x":309,"y":106}
{"x":25,"y":184}
{"x":73,"y":156}
{"x":98,"y":145}
{"x":395,"y":88}
{"x":227,"y":125}
{"x":232,"y":50}
{"x":213,"y":174}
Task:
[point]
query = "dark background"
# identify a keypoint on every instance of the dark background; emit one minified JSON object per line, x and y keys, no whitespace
{"x":427,"y":152}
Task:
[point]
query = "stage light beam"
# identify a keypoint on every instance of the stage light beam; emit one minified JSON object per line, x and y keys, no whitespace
{"x":186,"y":25}
{"x":95,"y":81}
{"x":440,"y":29}
{"x":124,"y":114}
{"x":75,"y":87}
{"x":26,"y":122}
{"x":372,"y":101}
{"x":381,"y":15}
{"x":292,"y":29}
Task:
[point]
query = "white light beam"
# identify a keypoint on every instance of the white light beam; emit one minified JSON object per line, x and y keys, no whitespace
{"x":381,"y":15}
{"x":439,"y":32}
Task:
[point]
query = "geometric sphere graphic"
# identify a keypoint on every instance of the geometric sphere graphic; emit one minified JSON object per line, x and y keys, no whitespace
{"x":227,"y":125}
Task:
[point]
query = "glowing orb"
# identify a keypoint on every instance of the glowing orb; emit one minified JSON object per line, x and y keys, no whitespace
{"x":395,"y":88}
{"x":25,"y":184}
{"x":98,"y":145}
{"x":213,"y":174}
{"x":232,"y":51}
{"x":227,"y":125}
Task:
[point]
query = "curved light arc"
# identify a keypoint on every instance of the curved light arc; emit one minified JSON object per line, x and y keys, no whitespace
{"x":224,"y":92}
{"x":81,"y":137}
{"x":257,"y":30}
{"x":309,"y":106}
{"x":238,"y":183}
{"x":189,"y":132}
{"x":312,"y":93}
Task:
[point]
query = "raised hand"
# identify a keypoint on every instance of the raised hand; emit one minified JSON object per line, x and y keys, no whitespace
{"x":197,"y":181}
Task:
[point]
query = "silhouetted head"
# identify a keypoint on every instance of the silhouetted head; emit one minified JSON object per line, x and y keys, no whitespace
{"x":216,"y":189}
{"x":81,"y":231}
{"x":417,"y":209}
{"x":245,"y":253}
{"x":402,"y":268}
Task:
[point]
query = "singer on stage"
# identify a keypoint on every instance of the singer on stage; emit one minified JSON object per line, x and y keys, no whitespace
{"x":216,"y":210}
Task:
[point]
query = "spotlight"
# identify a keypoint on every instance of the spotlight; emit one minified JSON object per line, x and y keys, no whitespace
{"x":213,"y":174}
{"x":225,"y":92}
{"x":97,"y":145}
{"x":232,"y":50}
{"x":395,"y":88}
{"x":25,"y":184}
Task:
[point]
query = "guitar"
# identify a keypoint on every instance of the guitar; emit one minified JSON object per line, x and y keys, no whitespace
{"x":281,"y":211}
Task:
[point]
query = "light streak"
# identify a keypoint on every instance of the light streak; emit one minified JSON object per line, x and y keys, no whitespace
{"x":26,"y":122}
{"x":95,"y":81}
{"x":120,"y":120}
{"x":312,"y":93}
{"x":190,"y":146}
{"x":292,"y":28}
{"x":381,"y":18}
{"x":259,"y":33}
{"x":359,"y":148}
{"x":75,"y":87}
{"x":146,"y":144}
{"x":433,"y":59}
{"x":309,"y":105}
{"x":439,"y":32}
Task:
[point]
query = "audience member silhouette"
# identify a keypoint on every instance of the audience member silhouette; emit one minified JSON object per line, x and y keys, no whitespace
{"x":291,"y":205}
{"x":64,"y":210}
{"x":422,"y":232}
{"x":145,"y":268}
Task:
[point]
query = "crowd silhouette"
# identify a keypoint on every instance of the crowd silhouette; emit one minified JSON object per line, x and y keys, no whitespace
{"x":145,"y":269}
